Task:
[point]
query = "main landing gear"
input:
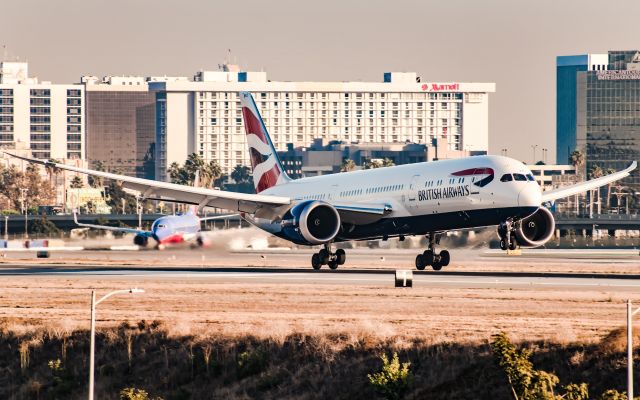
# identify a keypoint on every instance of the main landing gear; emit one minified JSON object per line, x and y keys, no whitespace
{"x":430,"y":257}
{"x":507,"y":233}
{"x":326,"y":257}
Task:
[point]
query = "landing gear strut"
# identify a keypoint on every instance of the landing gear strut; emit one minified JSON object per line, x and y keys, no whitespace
{"x":430,"y":257}
{"x":326,"y":257}
{"x":507,"y":233}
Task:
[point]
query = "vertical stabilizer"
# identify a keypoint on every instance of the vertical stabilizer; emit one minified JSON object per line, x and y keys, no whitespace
{"x":266,"y":167}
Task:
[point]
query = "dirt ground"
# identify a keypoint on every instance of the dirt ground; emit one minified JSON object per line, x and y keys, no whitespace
{"x":204,"y":306}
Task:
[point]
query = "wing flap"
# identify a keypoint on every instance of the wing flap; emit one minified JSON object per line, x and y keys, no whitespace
{"x":571,"y":190}
{"x":361,"y":213}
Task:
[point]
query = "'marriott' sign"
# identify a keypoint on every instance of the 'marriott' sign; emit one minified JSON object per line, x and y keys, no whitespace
{"x":617,"y":75}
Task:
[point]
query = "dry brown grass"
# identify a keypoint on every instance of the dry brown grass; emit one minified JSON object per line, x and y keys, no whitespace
{"x":202,"y":307}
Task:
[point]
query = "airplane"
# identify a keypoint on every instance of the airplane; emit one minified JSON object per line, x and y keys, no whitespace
{"x":167,"y":230}
{"x":429,"y":198}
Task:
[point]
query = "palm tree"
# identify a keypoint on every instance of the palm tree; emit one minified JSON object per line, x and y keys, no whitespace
{"x":347,"y":165}
{"x":372,"y":164}
{"x":76,"y":183}
{"x":52,"y":170}
{"x":240,"y":173}
{"x":609,"y":171}
{"x":213,"y":171}
{"x":594,"y":173}
{"x":96,"y":181}
{"x":577,"y":160}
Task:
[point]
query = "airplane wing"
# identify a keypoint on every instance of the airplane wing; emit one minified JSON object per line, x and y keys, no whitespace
{"x":571,"y":190}
{"x":111,"y":228}
{"x":243,"y":202}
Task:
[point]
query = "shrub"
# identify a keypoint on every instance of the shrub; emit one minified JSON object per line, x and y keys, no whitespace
{"x":251,"y":363}
{"x":393,"y":380}
{"x":136,"y":394}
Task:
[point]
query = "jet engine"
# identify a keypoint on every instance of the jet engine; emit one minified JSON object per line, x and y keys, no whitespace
{"x":536,"y":229}
{"x":140,"y":240}
{"x":311,"y":223}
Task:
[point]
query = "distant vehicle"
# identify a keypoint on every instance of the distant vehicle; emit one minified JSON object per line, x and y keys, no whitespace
{"x":167,"y":230}
{"x":427,"y":199}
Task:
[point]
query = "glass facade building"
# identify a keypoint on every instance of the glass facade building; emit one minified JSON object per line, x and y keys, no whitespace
{"x":567,"y":68}
{"x":121,"y":129}
{"x":609,"y":125}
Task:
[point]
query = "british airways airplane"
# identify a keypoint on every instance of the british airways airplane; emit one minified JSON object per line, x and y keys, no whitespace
{"x":427,"y":199}
{"x":168,"y":230}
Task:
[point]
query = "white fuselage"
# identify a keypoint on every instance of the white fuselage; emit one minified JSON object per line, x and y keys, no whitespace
{"x":435,"y":192}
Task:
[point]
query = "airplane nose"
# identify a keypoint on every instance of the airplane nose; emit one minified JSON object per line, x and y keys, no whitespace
{"x":530,"y":196}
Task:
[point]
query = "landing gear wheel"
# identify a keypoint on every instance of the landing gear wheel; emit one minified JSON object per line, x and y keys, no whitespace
{"x":445,"y":257}
{"x":324,"y":256}
{"x":341,"y":256}
{"x":428,"y":257}
{"x":503,"y":244}
{"x":315,"y":261}
{"x":333,"y":264}
{"x":437,"y":266}
{"x":513,"y":244}
{"x":420,"y":262}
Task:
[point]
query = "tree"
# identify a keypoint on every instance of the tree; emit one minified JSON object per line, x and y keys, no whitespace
{"x":372,"y":164}
{"x":347,"y":165}
{"x":577,"y":160}
{"x":96,"y":181}
{"x":52,"y":170}
{"x":240,"y":174}
{"x":213,"y":172}
{"x":525,"y":381}
{"x":387,"y":162}
{"x":76,"y":183}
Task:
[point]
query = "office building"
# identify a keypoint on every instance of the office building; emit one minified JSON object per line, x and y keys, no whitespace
{"x":203,"y":116}
{"x":120,"y":124}
{"x":46,"y":118}
{"x":567,"y":68}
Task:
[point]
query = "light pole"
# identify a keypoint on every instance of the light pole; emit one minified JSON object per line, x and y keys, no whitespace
{"x":139,"y":212}
{"x":23,"y":199}
{"x":630,"y":314}
{"x":6,"y":227}
{"x":544,"y":155}
{"x":94,"y":304}
{"x":123,"y":204}
{"x":534,"y":147}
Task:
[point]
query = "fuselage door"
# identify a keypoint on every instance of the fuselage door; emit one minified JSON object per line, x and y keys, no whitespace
{"x":412,"y":192}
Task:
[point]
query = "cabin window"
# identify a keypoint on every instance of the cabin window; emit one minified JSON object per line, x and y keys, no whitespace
{"x":506,"y":178}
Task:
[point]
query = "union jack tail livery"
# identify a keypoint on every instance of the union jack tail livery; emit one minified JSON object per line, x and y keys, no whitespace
{"x":267,"y":170}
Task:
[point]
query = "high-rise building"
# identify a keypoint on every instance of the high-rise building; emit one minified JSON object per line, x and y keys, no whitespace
{"x":567,"y":68}
{"x":120,"y":124}
{"x":605,"y":113}
{"x":46,"y":118}
{"x":204,"y":116}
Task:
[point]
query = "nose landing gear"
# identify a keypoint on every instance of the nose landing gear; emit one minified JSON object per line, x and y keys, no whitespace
{"x":326,"y":257}
{"x":430,"y":257}
{"x":507,"y":233}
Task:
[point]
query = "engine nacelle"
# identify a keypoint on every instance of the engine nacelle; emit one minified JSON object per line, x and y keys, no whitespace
{"x":141,"y":240}
{"x":312,"y":223}
{"x":536,"y":229}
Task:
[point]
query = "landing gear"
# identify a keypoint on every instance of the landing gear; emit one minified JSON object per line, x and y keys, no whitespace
{"x":430,"y":257}
{"x":507,"y":233}
{"x":326,"y":257}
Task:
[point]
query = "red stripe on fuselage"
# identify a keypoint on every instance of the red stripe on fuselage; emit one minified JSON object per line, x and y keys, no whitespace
{"x":173,"y":239}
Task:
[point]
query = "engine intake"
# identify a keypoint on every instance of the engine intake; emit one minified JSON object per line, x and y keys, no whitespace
{"x":536,"y":229}
{"x":319,"y":222}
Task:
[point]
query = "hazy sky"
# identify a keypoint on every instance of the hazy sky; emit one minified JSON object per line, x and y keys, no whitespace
{"x":510,"y":42}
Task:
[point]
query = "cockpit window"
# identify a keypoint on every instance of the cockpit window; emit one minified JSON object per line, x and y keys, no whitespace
{"x":530,"y":177}
{"x":160,"y":226}
{"x":520,"y":177}
{"x":506,"y":178}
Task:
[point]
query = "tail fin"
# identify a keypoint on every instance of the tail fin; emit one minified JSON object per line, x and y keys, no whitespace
{"x":267,"y":169}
